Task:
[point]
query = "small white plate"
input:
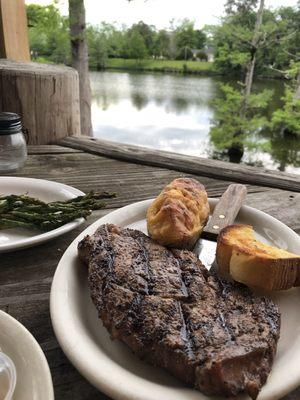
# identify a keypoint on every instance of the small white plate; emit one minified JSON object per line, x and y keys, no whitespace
{"x":33,"y":375}
{"x":111,"y":366}
{"x":14,"y":239}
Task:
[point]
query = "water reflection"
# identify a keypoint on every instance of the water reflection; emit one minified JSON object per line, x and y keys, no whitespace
{"x":139,"y":100}
{"x":174,"y":112}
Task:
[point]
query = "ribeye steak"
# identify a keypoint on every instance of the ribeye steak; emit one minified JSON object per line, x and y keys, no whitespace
{"x":212,"y":334}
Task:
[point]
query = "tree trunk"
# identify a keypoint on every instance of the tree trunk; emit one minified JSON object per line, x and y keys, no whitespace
{"x":80,"y":61}
{"x":254,"y":47}
{"x":236,"y":150}
{"x":297,"y":92}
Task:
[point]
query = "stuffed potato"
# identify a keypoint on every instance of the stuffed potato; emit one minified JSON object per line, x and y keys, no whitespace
{"x":178,"y":215}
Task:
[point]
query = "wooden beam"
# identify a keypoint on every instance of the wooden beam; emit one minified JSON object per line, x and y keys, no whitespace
{"x":14,"y":43}
{"x":188,"y":164}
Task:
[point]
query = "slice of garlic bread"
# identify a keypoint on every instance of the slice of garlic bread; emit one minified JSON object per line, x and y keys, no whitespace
{"x":254,"y":263}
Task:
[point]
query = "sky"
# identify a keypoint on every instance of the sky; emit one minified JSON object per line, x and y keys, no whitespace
{"x":154,"y":12}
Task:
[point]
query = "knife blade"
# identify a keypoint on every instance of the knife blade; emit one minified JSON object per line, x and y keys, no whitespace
{"x":224,"y":214}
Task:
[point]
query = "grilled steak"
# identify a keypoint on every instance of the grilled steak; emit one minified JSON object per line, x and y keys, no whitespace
{"x":210,"y":333}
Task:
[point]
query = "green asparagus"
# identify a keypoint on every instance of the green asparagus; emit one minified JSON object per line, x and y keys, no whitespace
{"x":27,"y":212}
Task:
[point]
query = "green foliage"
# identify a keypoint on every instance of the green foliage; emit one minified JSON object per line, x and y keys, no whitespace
{"x":187,"y":36}
{"x":201,"y":55}
{"x":136,"y":46}
{"x":161,"y":46}
{"x":98,"y":47}
{"x":240,"y":6}
{"x":185,"y":53}
{"x":279,"y":38}
{"x":50,"y":41}
{"x":287,"y":118}
{"x":146,"y":32}
{"x":48,"y":33}
{"x":233,"y":124}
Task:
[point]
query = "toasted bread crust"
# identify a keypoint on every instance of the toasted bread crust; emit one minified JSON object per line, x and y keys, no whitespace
{"x":253,"y":263}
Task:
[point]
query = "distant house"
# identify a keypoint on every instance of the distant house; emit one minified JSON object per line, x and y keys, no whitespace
{"x":210,"y":52}
{"x":205,"y":54}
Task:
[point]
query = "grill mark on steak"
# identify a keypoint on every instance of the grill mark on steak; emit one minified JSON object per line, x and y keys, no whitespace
{"x":185,"y":333}
{"x":172,"y":312}
{"x":225,"y":326}
{"x":149,"y":275}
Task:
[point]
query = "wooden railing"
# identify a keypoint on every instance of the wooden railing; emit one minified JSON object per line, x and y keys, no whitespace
{"x":184,"y":163}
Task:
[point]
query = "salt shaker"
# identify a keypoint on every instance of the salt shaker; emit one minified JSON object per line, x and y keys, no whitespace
{"x":8,"y":377}
{"x":13,"y":150}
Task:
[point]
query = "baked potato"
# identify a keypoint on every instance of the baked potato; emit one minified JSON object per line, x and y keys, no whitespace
{"x":249,"y":261}
{"x":178,"y":215}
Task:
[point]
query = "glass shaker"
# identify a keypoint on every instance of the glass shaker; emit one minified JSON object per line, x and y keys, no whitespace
{"x":13,"y":151}
{"x":8,"y":377}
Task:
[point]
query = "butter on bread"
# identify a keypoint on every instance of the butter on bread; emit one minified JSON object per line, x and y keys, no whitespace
{"x":254,"y":263}
{"x":178,"y":215}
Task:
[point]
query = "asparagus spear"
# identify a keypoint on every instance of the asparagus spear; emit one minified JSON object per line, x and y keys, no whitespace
{"x":28,"y":212}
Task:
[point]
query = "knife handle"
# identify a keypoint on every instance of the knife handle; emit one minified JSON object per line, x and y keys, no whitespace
{"x":225,"y":211}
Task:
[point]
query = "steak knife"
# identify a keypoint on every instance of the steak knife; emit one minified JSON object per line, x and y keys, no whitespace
{"x":224,"y":214}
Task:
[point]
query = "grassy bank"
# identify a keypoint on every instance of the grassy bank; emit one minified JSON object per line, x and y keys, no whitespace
{"x":196,"y":67}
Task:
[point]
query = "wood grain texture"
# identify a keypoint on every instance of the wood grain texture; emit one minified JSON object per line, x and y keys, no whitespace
{"x":26,"y":275}
{"x":46,"y":97}
{"x":131,"y":182}
{"x":188,"y":164}
{"x":50,"y":149}
{"x":14,"y":43}
{"x":225,"y":211}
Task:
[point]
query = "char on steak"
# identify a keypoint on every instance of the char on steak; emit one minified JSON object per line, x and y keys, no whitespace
{"x":212,"y":334}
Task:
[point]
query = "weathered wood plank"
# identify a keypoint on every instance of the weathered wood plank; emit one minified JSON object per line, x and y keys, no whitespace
{"x":132,"y":183}
{"x":187,"y":164}
{"x":50,"y":149}
{"x":283,"y":205}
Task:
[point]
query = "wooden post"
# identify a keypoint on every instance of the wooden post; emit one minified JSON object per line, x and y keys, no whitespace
{"x":14,"y":43}
{"x":80,"y":61}
{"x":46,"y":97}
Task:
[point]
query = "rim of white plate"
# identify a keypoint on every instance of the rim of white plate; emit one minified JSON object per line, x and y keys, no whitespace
{"x":41,"y":237}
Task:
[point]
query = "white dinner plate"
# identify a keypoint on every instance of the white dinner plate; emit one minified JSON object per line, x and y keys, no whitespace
{"x":14,"y":239}
{"x":111,"y":366}
{"x":33,"y":375}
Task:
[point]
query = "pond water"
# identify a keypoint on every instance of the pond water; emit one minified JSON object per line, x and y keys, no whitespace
{"x":174,"y":112}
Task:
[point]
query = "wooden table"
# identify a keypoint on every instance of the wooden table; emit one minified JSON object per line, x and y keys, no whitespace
{"x":26,"y":275}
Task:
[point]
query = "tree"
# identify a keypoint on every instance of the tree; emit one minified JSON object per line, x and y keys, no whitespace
{"x":256,"y":38}
{"x":147,"y":32}
{"x":235,"y":125}
{"x":136,"y":46}
{"x":200,"y":39}
{"x":80,"y":61}
{"x":232,"y":128}
{"x":239,"y":6}
{"x":287,"y":119}
{"x":162,"y":43}
{"x":48,"y":34}
{"x":98,"y":47}
{"x":188,"y":38}
{"x":279,"y":37}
